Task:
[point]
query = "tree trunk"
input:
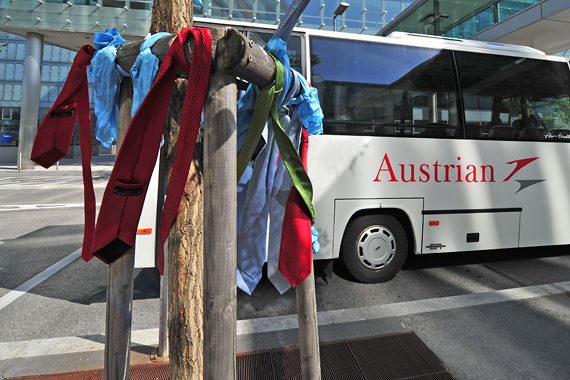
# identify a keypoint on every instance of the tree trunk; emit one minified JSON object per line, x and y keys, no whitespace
{"x":171,"y":15}
{"x":185,"y":242}
{"x":185,"y":260}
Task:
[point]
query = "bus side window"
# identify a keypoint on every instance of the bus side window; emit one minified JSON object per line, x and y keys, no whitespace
{"x":514,"y":98}
{"x":385,"y":90}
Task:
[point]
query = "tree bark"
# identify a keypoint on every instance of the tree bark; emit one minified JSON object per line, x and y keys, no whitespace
{"x":171,"y":15}
{"x":185,"y":242}
{"x":185,"y":260}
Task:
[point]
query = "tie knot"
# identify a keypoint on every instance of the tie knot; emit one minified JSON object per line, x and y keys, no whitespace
{"x":84,"y":55}
{"x":177,"y":49}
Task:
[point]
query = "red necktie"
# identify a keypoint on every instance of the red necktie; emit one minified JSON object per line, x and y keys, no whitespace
{"x":120,"y":211}
{"x":296,"y":256}
{"x":55,"y":132}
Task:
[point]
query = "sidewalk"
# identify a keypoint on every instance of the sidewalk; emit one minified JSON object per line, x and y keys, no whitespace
{"x":398,"y":356}
{"x":478,"y":336}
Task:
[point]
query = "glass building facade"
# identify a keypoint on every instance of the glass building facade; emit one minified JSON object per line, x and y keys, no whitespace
{"x":454,"y":18}
{"x":132,"y":18}
{"x":55,"y":66}
{"x":494,"y":14}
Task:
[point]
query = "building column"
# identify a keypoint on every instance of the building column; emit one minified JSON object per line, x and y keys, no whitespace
{"x":30,"y":99}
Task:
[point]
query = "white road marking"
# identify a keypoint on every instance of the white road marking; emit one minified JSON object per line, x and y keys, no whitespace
{"x":149,"y":337}
{"x":36,"y":280}
{"x":40,"y":206}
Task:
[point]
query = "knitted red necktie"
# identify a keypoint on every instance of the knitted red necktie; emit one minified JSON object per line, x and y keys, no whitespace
{"x":120,"y":211}
{"x":55,"y":132}
{"x":296,"y":254}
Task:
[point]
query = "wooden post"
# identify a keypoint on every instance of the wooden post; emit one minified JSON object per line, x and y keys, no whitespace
{"x":121,"y":279}
{"x":308,"y":329}
{"x":249,"y":61}
{"x":220,"y":209}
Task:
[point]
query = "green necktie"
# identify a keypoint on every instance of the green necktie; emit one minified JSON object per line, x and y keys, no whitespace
{"x":266,"y":103}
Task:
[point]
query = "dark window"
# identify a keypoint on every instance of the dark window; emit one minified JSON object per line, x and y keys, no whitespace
{"x":368,"y":88}
{"x":513,"y":98}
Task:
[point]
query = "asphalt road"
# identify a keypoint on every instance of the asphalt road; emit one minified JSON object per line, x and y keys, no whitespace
{"x":488,"y":336}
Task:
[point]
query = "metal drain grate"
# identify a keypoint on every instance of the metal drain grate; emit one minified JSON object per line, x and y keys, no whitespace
{"x":138,"y":372}
{"x":388,"y":357}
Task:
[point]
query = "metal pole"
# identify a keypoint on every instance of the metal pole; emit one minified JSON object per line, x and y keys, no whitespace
{"x":436,"y":28}
{"x":163,"y":352}
{"x":163,"y":327}
{"x":30,"y":99}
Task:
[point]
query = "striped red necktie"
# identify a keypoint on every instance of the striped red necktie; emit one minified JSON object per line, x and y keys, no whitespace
{"x":55,"y":132}
{"x":116,"y":228}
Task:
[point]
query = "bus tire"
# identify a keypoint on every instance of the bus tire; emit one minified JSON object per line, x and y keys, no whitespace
{"x":374,"y":248}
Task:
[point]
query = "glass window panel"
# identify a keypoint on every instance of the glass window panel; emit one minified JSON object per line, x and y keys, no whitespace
{"x":144,"y":5}
{"x":380,"y":89}
{"x":16,"y":112}
{"x":47,"y":52}
{"x":6,"y":112}
{"x":53,"y":92}
{"x":2,"y":69}
{"x":512,"y":98}
{"x":312,"y":13}
{"x":19,"y":71}
{"x":64,"y":54}
{"x":17,"y":92}
{"x":114,"y":4}
{"x":21,"y":51}
{"x":56,"y":53}
{"x":11,"y":50}
{"x":54,"y":74}
{"x":42,"y":112}
{"x":63,"y":71}
{"x":9,"y":71}
{"x":44,"y":93}
{"x":243,"y":9}
{"x":8,"y":88}
{"x":46,"y":72}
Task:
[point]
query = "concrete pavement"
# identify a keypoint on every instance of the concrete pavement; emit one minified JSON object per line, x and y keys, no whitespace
{"x":517,"y":333}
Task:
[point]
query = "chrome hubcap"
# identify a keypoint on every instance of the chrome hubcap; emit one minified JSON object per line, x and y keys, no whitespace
{"x":375,"y":247}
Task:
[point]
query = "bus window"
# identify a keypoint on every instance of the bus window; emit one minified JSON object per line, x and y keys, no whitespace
{"x":385,"y":90}
{"x":513,"y":98}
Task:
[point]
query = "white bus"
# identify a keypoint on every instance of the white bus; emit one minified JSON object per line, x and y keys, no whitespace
{"x":433,"y":144}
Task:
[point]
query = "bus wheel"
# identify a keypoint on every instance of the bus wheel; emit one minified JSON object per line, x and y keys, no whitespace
{"x":374,"y":248}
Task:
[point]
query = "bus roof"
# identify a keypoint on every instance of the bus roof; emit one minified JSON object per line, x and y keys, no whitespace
{"x":467,"y":43}
{"x":401,"y":38}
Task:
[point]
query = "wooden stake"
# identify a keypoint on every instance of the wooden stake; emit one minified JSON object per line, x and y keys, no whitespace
{"x":308,"y":329}
{"x":249,"y":61}
{"x":121,"y":279}
{"x":220,"y":229}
